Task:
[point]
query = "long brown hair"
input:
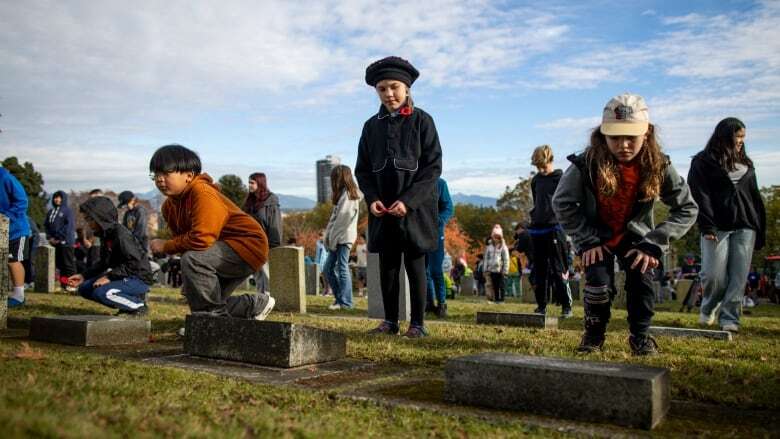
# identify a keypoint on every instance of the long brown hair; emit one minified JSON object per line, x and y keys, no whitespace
{"x":652,"y":164}
{"x":341,"y":180}
{"x":255,"y":200}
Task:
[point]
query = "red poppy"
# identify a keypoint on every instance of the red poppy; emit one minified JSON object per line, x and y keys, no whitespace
{"x":405,"y":111}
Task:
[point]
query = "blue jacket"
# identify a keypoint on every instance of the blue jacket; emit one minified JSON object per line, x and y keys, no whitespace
{"x":13,"y":204}
{"x":60,"y":223}
{"x":446,"y":208}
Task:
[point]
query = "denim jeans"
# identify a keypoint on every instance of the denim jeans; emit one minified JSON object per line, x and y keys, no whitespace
{"x":337,"y":272}
{"x":724,"y":268}
{"x":513,"y":287}
{"x":127,"y":294}
{"x":435,"y":275}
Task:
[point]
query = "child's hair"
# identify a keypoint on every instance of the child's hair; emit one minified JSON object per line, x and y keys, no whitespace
{"x":341,"y":180}
{"x":652,"y":164}
{"x":253,"y":199}
{"x":721,"y":144}
{"x":542,"y":156}
{"x":175,"y":158}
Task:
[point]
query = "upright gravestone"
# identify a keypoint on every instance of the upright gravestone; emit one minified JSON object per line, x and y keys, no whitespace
{"x":467,"y":285}
{"x":620,"y":285}
{"x":574,"y":287}
{"x":527,"y":289}
{"x":313,"y":280}
{"x":376,"y":309}
{"x":287,"y":279}
{"x":44,"y":270}
{"x":5,"y":276}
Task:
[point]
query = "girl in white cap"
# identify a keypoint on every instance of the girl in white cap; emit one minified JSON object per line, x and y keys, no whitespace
{"x":604,"y":201}
{"x":398,"y":167}
{"x":497,"y":262}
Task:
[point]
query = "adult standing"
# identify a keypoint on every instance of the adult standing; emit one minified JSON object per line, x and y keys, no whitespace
{"x":60,"y":228}
{"x":135,"y":218}
{"x":398,"y":165}
{"x":732,"y":221}
{"x":263,"y":206}
{"x":437,"y":292}
{"x":13,"y":204}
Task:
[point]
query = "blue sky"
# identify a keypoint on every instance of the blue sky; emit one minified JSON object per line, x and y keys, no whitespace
{"x":89,"y":90}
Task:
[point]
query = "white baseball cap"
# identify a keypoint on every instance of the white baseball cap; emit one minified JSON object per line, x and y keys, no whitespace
{"x":625,"y":115}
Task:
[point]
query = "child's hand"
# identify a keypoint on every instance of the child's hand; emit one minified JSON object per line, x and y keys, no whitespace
{"x":100,"y":282}
{"x":397,"y":209}
{"x":642,"y":258}
{"x":596,"y":254}
{"x":75,"y":280}
{"x":378,"y":209}
{"x":157,"y":246}
{"x":711,"y":237}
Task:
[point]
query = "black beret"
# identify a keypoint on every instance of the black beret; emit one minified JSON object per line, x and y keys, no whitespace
{"x":391,"y":67}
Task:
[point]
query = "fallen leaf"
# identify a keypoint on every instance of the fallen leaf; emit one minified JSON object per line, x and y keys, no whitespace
{"x":27,"y":353}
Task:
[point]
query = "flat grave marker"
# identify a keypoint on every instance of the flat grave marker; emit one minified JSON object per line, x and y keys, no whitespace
{"x":90,"y":330}
{"x":517,"y":319}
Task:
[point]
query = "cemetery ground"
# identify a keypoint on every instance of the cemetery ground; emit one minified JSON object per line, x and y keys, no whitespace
{"x":388,"y":386}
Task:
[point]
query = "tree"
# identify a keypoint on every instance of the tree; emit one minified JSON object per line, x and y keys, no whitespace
{"x":518,"y":198}
{"x":771,"y":197}
{"x":32,"y":181}
{"x":232,"y":186}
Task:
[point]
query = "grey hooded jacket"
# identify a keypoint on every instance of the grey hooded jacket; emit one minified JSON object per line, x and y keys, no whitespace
{"x":576,"y":208}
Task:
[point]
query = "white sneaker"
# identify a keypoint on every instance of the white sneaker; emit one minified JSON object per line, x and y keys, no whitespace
{"x":267,"y":310}
{"x":334,"y":306}
{"x":707,"y":320}
{"x":730,"y":327}
{"x":181,"y":332}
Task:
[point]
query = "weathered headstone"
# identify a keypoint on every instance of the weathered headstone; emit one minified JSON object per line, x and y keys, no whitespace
{"x":376,"y":308}
{"x":623,"y":394}
{"x":574,"y":287}
{"x":516,"y":319}
{"x":467,"y":285}
{"x":44,"y":270}
{"x":690,"y":332}
{"x":620,"y":285}
{"x":287,"y":279}
{"x":89,"y":330}
{"x":277,"y":344}
{"x":313,"y":280}
{"x":5,"y":275}
{"x":527,"y":289}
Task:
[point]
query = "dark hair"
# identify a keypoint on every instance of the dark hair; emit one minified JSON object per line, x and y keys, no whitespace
{"x":340,"y":181}
{"x":96,"y":192}
{"x":175,"y":158}
{"x":254,"y":200}
{"x":721,"y":144}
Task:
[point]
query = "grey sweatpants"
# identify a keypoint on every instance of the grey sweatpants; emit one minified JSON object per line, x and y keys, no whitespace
{"x":208,"y":278}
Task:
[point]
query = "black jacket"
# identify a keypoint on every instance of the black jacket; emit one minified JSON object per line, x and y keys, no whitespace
{"x":120,"y":251}
{"x":723,"y":205}
{"x":60,"y":223}
{"x":399,"y":158}
{"x":542,"y":188}
{"x":269,"y":215}
{"x":135,"y":221}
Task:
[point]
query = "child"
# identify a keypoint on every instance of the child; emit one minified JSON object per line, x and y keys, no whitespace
{"x":436,"y":298}
{"x":135,"y":217}
{"x":263,"y":205}
{"x":547,"y":236}
{"x":497,"y":263}
{"x":13,"y":204}
{"x":340,"y":234}
{"x":122,"y":276}
{"x":60,"y":228}
{"x":604,"y":201}
{"x":220,"y":245}
{"x":398,"y":165}
{"x":732,"y":221}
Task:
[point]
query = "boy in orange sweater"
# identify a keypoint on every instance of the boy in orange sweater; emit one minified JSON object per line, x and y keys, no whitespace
{"x":220,"y":245}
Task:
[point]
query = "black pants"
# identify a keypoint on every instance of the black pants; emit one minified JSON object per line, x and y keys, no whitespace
{"x":600,"y":290}
{"x":499,"y":287}
{"x":65,"y":259}
{"x":389,"y":274}
{"x":549,"y":264}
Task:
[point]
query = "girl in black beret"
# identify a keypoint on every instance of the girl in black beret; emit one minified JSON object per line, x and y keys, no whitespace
{"x":398,"y":166}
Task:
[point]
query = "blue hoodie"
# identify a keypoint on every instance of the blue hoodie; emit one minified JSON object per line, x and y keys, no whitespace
{"x":60,"y":223}
{"x":13,"y":204}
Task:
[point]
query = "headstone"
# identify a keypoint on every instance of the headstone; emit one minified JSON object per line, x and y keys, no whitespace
{"x":44,"y":270}
{"x":313,"y":280}
{"x":683,"y":285}
{"x":623,"y":394}
{"x":376,"y":308}
{"x":287,"y":279}
{"x":467,"y":285}
{"x":620,"y":285}
{"x":89,"y":330}
{"x":267,"y":343}
{"x":690,"y":332}
{"x":5,"y":275}
{"x":527,"y":289}
{"x":574,"y":286}
{"x":516,"y":319}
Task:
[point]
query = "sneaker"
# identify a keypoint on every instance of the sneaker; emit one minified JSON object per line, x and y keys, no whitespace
{"x":567,"y":314}
{"x":334,"y":306}
{"x":386,"y":328}
{"x":643,"y":345}
{"x":731,"y":327}
{"x":705,"y":320}
{"x":441,"y":311}
{"x":416,"y":331}
{"x":181,"y":332}
{"x":266,"y":309}
{"x":542,"y":311}
{"x":134,"y":313}
{"x":590,"y":343}
{"x":15,"y":303}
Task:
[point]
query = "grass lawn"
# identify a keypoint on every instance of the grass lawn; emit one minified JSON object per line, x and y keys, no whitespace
{"x":731,"y":388}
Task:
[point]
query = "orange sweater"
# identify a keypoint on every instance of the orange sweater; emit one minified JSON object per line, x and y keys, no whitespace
{"x":201,"y":215}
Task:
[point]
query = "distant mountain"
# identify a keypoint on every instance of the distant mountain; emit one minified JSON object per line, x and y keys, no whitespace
{"x":291,"y":202}
{"x":476,"y":200}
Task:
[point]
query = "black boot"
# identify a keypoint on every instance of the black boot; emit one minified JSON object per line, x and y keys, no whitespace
{"x":442,"y":311}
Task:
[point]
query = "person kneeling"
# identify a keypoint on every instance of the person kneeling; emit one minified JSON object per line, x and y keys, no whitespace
{"x":122,"y":276}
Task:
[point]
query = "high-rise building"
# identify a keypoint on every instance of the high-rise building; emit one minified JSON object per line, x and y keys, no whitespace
{"x":324,"y":167}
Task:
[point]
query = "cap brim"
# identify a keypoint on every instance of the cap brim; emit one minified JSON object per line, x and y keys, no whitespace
{"x":624,"y":128}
